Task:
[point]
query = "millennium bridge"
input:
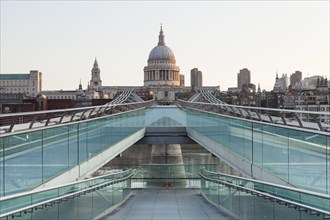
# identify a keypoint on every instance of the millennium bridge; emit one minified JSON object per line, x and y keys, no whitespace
{"x":47,"y":161}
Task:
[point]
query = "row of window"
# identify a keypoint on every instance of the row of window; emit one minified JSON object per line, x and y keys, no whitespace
{"x":17,"y":82}
{"x":61,"y":97}
{"x":322,"y":109}
{"x":73,"y":97}
{"x":18,"y":90}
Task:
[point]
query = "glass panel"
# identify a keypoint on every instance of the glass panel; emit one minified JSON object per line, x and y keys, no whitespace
{"x":275,"y":151}
{"x":43,"y":196}
{"x":225,"y":199}
{"x":298,"y":157}
{"x":22,"y":162}
{"x":257,"y":144}
{"x":84,"y":206}
{"x":3,"y":141}
{"x":307,"y":161}
{"x":165,"y":116}
{"x":73,"y":145}
{"x":69,"y":209}
{"x":263,"y":209}
{"x":328,"y":165}
{"x":248,"y":139}
{"x":15,"y":203}
{"x":82,"y":137}
{"x":93,"y":137}
{"x":51,"y":213}
{"x":55,"y":152}
{"x":246,"y":206}
{"x":105,"y":134}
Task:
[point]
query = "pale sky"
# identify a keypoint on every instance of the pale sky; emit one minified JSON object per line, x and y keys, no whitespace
{"x":62,"y":38}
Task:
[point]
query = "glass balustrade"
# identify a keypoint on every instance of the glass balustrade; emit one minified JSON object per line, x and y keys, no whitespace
{"x":250,"y":199}
{"x":96,"y":196}
{"x":298,"y":156}
{"x":31,"y":158}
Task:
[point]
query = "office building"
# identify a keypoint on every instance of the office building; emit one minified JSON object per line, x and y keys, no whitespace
{"x":243,"y":77}
{"x":196,"y":78}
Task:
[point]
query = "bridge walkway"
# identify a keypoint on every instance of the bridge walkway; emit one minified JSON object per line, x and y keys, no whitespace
{"x":167,"y":204}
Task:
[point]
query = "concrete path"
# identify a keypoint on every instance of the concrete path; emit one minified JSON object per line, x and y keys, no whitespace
{"x":167,"y":204}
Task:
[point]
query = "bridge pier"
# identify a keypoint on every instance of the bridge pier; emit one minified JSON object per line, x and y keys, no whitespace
{"x":167,"y":162}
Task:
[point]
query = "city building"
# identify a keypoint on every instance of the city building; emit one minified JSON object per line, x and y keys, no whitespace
{"x":72,"y":94}
{"x":16,"y":102}
{"x":323,"y":85}
{"x":243,"y":77}
{"x":295,"y":78}
{"x":29,"y":84}
{"x":96,"y":82}
{"x":310,"y":82}
{"x":313,"y":100}
{"x":281,"y":84}
{"x":196,"y":79}
{"x":245,"y":96}
{"x":182,"y":80}
{"x":288,"y":99}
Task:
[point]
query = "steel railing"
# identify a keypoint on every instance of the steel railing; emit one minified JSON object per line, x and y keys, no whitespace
{"x":23,"y":121}
{"x":303,"y":200}
{"x":293,"y":118}
{"x":23,"y":203}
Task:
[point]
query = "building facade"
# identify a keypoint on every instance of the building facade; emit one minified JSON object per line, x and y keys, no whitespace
{"x":29,"y":84}
{"x":281,"y":84}
{"x":295,"y":78}
{"x":196,"y":79}
{"x":243,"y":77}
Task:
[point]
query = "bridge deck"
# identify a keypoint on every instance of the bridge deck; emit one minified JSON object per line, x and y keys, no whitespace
{"x":167,"y":204}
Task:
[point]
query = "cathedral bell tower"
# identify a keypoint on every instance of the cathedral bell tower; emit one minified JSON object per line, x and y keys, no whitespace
{"x":96,"y":81}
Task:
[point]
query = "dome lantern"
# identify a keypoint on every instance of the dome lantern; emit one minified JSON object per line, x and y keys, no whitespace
{"x":161,"y":41}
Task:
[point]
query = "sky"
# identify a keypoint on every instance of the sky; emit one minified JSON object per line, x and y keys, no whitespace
{"x":61,"y":39}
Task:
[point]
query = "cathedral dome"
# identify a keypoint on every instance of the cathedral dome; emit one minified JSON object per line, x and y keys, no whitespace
{"x":161,"y":52}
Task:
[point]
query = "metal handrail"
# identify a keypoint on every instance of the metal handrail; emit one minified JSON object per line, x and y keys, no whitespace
{"x":267,"y":195}
{"x":266,"y":116}
{"x":51,"y":117}
{"x":127,"y":174}
{"x":257,"y":108}
{"x":71,"y":109}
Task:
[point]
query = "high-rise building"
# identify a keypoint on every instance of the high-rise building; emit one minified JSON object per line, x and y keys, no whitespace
{"x":96,"y":81}
{"x":243,"y":77}
{"x":181,"y":80}
{"x":196,"y":78}
{"x":29,"y":84}
{"x":281,"y":84}
{"x":295,"y":78}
